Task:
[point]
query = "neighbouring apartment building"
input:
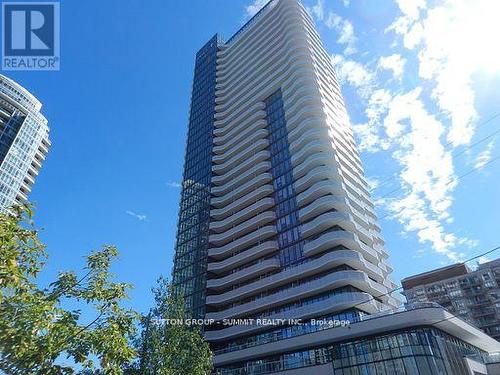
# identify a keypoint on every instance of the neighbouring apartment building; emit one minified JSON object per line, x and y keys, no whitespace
{"x":276,"y":220}
{"x":24,"y":142}
{"x":472,"y":295}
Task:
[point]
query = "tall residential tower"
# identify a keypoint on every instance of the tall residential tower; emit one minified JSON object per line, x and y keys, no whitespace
{"x":276,"y":219}
{"x":24,"y":142}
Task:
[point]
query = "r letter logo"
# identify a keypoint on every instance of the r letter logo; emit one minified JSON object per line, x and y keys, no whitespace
{"x":30,"y":36}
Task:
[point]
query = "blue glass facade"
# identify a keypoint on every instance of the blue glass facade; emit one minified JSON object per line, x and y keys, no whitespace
{"x":9,"y":133}
{"x":417,"y":351}
{"x":190,"y":265}
{"x":287,"y":224}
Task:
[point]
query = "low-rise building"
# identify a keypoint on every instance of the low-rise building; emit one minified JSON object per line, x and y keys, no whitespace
{"x":473,"y":295}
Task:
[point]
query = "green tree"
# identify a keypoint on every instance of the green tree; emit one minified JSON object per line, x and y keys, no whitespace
{"x":171,"y":349}
{"x":37,"y":333}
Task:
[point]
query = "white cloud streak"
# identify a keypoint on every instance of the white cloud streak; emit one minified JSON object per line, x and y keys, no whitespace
{"x":173,"y":184}
{"x":484,"y":156}
{"x":140,"y":217}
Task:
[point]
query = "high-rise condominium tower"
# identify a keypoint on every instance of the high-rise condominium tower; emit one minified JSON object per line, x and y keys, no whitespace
{"x":24,"y":142}
{"x":276,"y":220}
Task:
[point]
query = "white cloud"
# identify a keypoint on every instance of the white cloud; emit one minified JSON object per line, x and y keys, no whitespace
{"x":346,"y":3}
{"x":318,"y":10}
{"x":369,"y":133}
{"x":354,"y":73}
{"x":411,"y":8}
{"x":427,"y":172}
{"x":252,"y":9}
{"x":140,"y":217}
{"x":345,"y":31}
{"x":372,"y":182}
{"x":484,"y":156}
{"x":394,"y":63}
{"x":454,"y":40}
{"x":173,"y":184}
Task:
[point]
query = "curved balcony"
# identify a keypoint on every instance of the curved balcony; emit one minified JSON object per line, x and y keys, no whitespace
{"x":241,"y":203}
{"x":258,"y":269}
{"x":320,"y":181}
{"x":220,"y":121}
{"x":299,"y":72}
{"x":246,"y":256}
{"x":314,"y":147}
{"x":248,"y":240}
{"x":242,"y":229}
{"x":335,"y":238}
{"x":244,"y":189}
{"x":231,"y":94}
{"x":294,"y":120}
{"x":328,"y":261}
{"x":225,"y":151}
{"x":235,"y":137}
{"x":239,"y":54}
{"x":252,"y":173}
{"x":321,"y":205}
{"x":339,"y":302}
{"x":240,"y":216}
{"x":304,"y":104}
{"x":258,"y":46}
{"x":253,"y":121}
{"x":309,"y":123}
{"x":326,"y":221}
{"x":249,"y":163}
{"x":261,"y":144}
{"x":240,"y":71}
{"x":332,"y":281}
{"x":310,"y":135}
{"x":331,"y":219}
{"x":315,"y":160}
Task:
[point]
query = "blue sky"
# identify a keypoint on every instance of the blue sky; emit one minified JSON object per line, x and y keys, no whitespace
{"x":118,"y":115}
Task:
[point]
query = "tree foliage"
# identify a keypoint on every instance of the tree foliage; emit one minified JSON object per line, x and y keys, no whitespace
{"x":38,"y":335}
{"x":171,"y":349}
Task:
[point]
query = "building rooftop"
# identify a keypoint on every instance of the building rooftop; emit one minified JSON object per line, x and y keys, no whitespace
{"x":436,"y":275}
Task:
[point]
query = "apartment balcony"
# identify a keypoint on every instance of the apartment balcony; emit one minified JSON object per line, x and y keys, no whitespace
{"x":242,"y":275}
{"x":321,"y":205}
{"x":242,"y":202}
{"x":241,"y":168}
{"x":316,"y":266}
{"x":250,"y":174}
{"x":329,"y":282}
{"x":242,"y":215}
{"x":315,"y":147}
{"x":253,"y":123}
{"x":256,"y":237}
{"x":227,"y":150}
{"x":331,"y":239}
{"x":246,"y":256}
{"x":312,"y":161}
{"x":230,"y":164}
{"x":326,"y":221}
{"x":318,"y":190}
{"x":311,"y":135}
{"x":246,"y":188}
{"x":242,"y":229}
{"x":339,"y":302}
